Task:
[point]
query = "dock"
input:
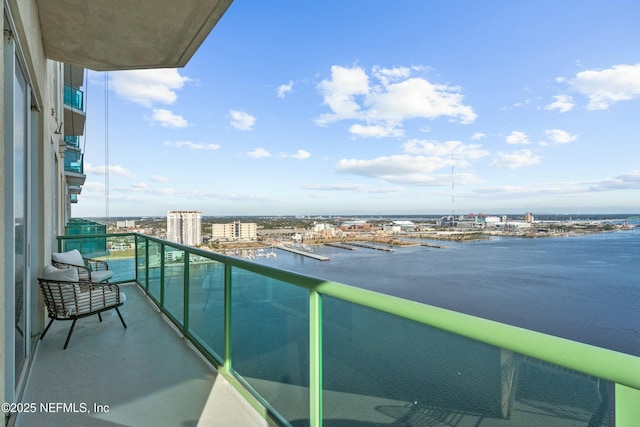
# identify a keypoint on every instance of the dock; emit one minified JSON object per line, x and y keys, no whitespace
{"x":431,"y":245}
{"x":369,"y":246}
{"x":340,"y":245}
{"x":303,"y":253}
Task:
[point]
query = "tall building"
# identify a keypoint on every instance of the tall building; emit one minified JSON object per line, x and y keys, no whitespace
{"x":47,"y":45}
{"x":184,"y":227}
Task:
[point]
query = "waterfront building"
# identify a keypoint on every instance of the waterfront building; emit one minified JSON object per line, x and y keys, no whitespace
{"x":184,"y":227}
{"x":355,"y":225}
{"x":235,"y":231}
{"x":127,"y":223}
{"x":324,"y":231}
{"x":399,"y":226}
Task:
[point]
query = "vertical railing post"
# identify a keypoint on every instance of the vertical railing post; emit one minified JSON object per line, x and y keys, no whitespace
{"x":162,"y":275}
{"x":315,"y":359}
{"x":146,"y":262}
{"x":136,"y":261}
{"x":227,"y":364}
{"x":185,"y":297}
{"x":627,"y":406}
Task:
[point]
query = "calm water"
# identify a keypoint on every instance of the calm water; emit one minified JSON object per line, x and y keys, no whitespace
{"x":582,"y":288}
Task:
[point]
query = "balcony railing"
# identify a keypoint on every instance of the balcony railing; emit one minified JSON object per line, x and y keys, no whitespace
{"x":72,"y":141}
{"x":73,"y":97}
{"x":313,"y":351}
{"x":73,"y":162}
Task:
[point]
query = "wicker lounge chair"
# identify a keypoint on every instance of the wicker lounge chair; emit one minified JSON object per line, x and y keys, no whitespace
{"x":68,"y":298}
{"x":89,"y":269}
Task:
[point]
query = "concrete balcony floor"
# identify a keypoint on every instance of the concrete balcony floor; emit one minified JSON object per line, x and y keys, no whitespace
{"x":146,"y":375}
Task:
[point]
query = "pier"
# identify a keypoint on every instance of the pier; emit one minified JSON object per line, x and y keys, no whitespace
{"x":369,"y":246}
{"x":340,"y":245}
{"x":431,"y":245}
{"x":303,"y":253}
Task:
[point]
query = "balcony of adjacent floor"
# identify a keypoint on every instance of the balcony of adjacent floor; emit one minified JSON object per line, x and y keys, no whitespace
{"x":144,"y":375}
{"x":74,"y":167}
{"x":74,"y":112}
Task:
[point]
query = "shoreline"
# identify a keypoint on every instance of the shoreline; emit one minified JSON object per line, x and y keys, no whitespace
{"x":398,"y":240}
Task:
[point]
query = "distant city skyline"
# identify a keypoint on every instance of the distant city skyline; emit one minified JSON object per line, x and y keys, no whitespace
{"x":368,"y":108}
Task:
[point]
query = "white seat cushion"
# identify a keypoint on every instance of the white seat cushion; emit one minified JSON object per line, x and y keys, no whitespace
{"x":101,"y":275}
{"x":73,"y":257}
{"x":97,"y":299}
{"x":60,"y":274}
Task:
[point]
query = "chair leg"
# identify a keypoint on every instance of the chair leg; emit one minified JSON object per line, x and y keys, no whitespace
{"x":121,"y":319}
{"x":66,"y":343}
{"x":100,"y":317}
{"x":46,"y":329}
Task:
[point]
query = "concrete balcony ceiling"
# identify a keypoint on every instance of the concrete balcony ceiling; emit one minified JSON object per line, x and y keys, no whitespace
{"x":73,"y":121}
{"x":108,"y":35}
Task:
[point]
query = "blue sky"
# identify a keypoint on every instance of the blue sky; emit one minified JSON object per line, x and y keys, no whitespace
{"x":377,"y":107}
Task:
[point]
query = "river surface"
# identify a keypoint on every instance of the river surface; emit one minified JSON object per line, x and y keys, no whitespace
{"x":584,"y":288}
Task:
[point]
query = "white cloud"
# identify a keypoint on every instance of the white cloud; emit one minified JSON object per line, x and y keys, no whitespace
{"x":627,"y":181}
{"x":445,"y":149}
{"x":193,"y":145}
{"x":144,"y":189}
{"x":604,"y":88}
{"x":515,"y":160}
{"x":241,"y":120}
{"x":167,"y":119}
{"x":478,"y":135}
{"x":562,"y":103}
{"x":405,"y":169}
{"x":113,"y":170}
{"x":147,"y":87}
{"x":559,"y":136}
{"x":93,"y":189}
{"x":376,"y":131}
{"x":389,"y":75}
{"x":339,"y":93}
{"x":359,"y":188}
{"x":517,"y":137}
{"x":159,"y":178}
{"x":283,"y":90}
{"x":258,"y":153}
{"x":300,"y":154}
{"x":394,"y":97}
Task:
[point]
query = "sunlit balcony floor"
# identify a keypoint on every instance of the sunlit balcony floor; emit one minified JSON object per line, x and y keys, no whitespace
{"x":145,"y":375}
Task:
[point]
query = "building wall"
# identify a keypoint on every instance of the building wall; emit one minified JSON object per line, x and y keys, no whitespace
{"x":22,"y":43}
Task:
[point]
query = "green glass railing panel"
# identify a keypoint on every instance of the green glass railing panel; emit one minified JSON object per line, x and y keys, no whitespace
{"x":121,"y":258}
{"x":72,"y":141}
{"x":74,"y":97}
{"x":174,"y":282}
{"x":270,"y":342}
{"x":73,"y":162}
{"x":154,"y":269}
{"x":383,"y":369}
{"x":141,"y":259}
{"x":206,"y":304}
{"x":89,"y":247}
